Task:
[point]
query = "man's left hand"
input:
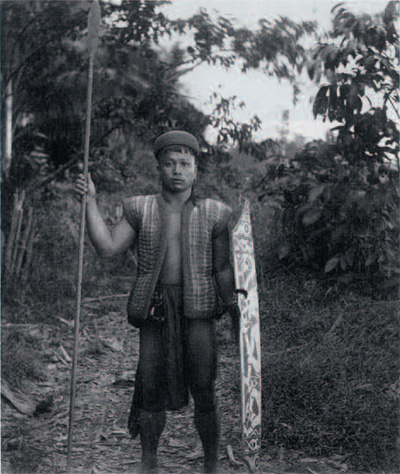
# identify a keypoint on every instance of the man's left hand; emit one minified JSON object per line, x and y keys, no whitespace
{"x":234,"y":312}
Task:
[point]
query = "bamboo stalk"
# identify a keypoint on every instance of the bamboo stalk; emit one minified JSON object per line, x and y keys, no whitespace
{"x":3,"y":244}
{"x":17,"y":234}
{"x":24,"y":240}
{"x":11,"y":234}
{"x":29,"y":252}
{"x":8,"y":128}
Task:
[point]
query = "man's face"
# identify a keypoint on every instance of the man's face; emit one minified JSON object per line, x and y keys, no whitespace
{"x":178,"y":171}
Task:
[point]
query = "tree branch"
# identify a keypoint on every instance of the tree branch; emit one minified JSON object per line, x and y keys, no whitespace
{"x":394,"y":107}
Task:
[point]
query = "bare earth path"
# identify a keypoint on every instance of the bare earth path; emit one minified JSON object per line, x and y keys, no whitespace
{"x":108,"y":356}
{"x":101,"y":444}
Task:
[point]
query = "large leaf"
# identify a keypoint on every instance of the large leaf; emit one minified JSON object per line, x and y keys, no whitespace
{"x":321,"y":101}
{"x":284,"y":250}
{"x":371,"y":259}
{"x":312,"y":216}
{"x":332,"y":264}
{"x":350,"y":253}
{"x":316,"y":192}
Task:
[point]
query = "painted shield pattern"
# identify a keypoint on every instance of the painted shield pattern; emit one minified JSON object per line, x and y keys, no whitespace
{"x":250,"y":355}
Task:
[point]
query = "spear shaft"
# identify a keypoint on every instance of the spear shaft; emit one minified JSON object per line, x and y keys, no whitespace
{"x":93,"y":27}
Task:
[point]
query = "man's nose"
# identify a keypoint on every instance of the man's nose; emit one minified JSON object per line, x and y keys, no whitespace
{"x":178,"y":169}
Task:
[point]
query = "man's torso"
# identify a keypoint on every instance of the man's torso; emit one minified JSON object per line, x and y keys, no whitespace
{"x":171,"y":270}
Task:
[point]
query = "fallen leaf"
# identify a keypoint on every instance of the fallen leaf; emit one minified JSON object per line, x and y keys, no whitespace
{"x":175,"y":443}
{"x":231,"y":457}
{"x":196,"y":454}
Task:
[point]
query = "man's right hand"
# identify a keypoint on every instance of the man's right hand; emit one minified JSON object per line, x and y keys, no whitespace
{"x":81,"y":187}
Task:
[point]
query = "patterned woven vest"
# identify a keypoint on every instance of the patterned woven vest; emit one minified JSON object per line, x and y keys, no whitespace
{"x":201,"y":222}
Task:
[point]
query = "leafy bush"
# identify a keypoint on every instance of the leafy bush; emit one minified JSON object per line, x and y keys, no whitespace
{"x":339,"y":201}
{"x":23,"y":362}
{"x":336,"y":217}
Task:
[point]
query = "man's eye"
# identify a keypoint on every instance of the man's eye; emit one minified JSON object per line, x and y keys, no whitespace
{"x":168,"y":165}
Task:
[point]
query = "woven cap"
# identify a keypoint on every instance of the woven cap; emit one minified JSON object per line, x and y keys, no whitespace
{"x":176,"y":137}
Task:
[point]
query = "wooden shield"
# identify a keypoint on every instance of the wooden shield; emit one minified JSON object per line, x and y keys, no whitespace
{"x":250,"y":355}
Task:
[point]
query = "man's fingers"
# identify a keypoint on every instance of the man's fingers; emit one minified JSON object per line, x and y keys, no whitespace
{"x":84,"y":186}
{"x":81,"y":187}
{"x":81,"y":184}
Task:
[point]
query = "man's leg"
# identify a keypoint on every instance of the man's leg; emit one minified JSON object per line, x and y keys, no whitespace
{"x":151,"y":427}
{"x":202,"y":361}
{"x":153,"y":384}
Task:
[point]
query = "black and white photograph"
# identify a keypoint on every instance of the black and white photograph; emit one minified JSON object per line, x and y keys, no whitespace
{"x":200,"y":236}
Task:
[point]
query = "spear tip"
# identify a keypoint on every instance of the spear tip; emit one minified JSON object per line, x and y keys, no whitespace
{"x":94,"y":20}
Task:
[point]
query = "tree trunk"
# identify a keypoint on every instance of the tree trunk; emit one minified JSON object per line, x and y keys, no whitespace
{"x":11,"y":235}
{"x":23,"y":247}
{"x":8,"y":130}
{"x":17,"y":233}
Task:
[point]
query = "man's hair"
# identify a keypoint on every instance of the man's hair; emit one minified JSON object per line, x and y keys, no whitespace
{"x":175,"y":148}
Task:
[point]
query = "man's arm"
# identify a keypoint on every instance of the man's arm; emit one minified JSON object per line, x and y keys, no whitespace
{"x":107,"y":243}
{"x":225,"y":280}
{"x":223,"y":271}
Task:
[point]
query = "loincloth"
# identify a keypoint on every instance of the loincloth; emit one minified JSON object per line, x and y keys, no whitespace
{"x":166,"y":323}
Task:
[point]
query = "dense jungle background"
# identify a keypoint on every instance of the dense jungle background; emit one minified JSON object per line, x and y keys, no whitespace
{"x":325,"y":221}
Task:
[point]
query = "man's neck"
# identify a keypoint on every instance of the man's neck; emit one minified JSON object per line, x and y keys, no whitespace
{"x":176,"y":200}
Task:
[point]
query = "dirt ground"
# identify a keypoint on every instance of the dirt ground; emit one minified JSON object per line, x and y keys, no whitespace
{"x":108,"y":354}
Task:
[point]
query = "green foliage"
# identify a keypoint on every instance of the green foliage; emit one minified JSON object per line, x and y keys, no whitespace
{"x":275,"y":46}
{"x":49,"y":75}
{"x":44,"y":58}
{"x":136,"y":22}
{"x":338,"y":202}
{"x":38,"y":56}
{"x":24,"y":362}
{"x":24,"y":459}
{"x":336,"y":218}
{"x":360,"y":62}
{"x":231,"y":131}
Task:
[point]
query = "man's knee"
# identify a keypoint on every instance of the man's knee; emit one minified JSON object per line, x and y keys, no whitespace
{"x":153,"y":404}
{"x":203,"y":396}
{"x":202,"y":362}
{"x":154,"y":391}
{"x":153,"y":397}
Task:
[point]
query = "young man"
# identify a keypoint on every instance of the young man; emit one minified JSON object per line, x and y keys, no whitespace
{"x":184,"y":282}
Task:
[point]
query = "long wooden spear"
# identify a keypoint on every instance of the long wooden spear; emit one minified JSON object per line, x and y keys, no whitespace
{"x":92,"y":39}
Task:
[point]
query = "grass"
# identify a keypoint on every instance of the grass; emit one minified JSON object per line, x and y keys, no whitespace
{"x":329,"y":374}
